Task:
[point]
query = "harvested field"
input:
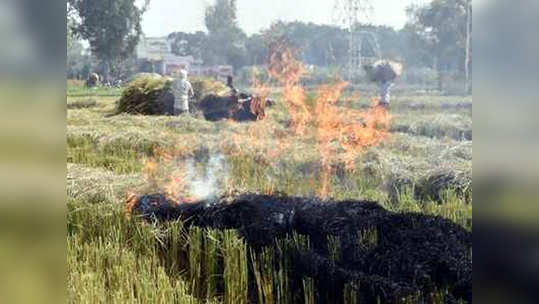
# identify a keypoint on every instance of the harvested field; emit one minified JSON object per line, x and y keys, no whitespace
{"x":419,"y":174}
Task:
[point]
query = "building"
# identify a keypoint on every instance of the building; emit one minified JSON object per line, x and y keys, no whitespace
{"x":158,"y":52}
{"x":155,"y":55}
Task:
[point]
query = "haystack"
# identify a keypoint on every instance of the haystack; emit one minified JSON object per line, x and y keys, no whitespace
{"x":152,"y":95}
{"x":383,"y":71}
{"x":148,"y":96}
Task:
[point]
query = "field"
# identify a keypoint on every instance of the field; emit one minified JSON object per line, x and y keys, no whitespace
{"x":424,"y":165}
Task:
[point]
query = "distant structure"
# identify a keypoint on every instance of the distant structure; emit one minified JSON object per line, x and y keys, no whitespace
{"x":158,"y":52}
{"x":363,"y":45}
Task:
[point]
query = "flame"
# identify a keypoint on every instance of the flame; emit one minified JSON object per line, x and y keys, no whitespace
{"x":254,"y":141}
{"x":340,"y":132}
{"x":165,"y":173}
{"x":343,"y":133}
{"x":130,"y":203}
{"x":287,"y":70}
{"x":175,"y":186}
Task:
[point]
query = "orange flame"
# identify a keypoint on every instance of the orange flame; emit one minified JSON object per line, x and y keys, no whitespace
{"x":284,"y":67}
{"x":341,"y":133}
{"x":164,"y":172}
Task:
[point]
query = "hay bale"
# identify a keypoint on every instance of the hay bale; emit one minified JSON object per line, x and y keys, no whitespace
{"x":152,"y":95}
{"x":206,"y":86}
{"x":383,"y":71}
{"x":148,"y":96}
{"x":144,"y":75}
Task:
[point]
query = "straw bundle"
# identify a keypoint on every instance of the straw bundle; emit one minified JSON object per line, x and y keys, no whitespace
{"x":151,"y":95}
{"x":383,"y":71}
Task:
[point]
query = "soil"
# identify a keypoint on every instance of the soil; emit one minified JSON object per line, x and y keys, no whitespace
{"x":411,"y":254}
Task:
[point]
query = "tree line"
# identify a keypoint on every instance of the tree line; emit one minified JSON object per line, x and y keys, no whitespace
{"x":436,"y":36}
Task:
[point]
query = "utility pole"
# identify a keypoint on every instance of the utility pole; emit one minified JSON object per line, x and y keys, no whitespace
{"x":352,"y":15}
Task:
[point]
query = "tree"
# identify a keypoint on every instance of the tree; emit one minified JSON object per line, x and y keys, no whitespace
{"x":77,"y":63}
{"x":226,"y":41}
{"x":320,"y":45}
{"x":257,"y":50}
{"x":440,"y":26}
{"x":112,"y":27}
{"x":185,"y":44}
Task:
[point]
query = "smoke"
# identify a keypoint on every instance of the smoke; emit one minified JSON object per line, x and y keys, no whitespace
{"x":205,"y":178}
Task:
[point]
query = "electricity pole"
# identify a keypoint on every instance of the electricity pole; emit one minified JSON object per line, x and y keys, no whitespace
{"x":352,"y":15}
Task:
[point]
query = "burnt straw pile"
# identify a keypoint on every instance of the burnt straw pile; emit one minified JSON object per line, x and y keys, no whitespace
{"x":384,"y":257}
{"x":240,"y":107}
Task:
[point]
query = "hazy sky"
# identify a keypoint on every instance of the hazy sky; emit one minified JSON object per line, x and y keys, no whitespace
{"x":166,"y":16}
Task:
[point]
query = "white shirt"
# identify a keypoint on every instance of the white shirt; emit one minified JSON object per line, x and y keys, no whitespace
{"x":181,"y":89}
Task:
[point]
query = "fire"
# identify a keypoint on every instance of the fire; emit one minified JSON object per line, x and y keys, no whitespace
{"x":341,"y":133}
{"x":165,"y":173}
{"x":254,"y":141}
{"x":175,"y":186}
{"x":287,"y":70}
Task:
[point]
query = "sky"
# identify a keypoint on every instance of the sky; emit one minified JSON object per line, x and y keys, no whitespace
{"x":167,"y":16}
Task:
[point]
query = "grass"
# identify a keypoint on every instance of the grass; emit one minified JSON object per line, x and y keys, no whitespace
{"x":424,"y":166}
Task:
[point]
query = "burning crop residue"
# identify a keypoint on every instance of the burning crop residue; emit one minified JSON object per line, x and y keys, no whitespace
{"x":353,"y":249}
{"x":341,"y":133}
{"x":185,"y":178}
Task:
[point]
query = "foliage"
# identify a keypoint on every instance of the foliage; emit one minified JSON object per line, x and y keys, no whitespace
{"x":317,"y":44}
{"x":440,"y":28}
{"x":111,"y":27}
{"x":185,"y":44}
{"x":226,"y":41}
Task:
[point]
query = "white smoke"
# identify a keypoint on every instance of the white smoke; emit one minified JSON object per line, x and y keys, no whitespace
{"x":204,"y":182}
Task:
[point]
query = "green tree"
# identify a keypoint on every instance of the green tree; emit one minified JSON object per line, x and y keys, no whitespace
{"x":257,"y":50}
{"x":112,"y":27}
{"x":185,"y":44}
{"x":226,"y":41}
{"x":440,"y":27}
{"x":321,"y":45}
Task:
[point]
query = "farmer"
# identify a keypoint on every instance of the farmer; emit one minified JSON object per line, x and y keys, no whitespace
{"x":181,"y":88}
{"x":385,"y":88}
{"x":383,"y":73}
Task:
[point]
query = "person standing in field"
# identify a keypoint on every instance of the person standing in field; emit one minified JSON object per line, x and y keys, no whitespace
{"x":182,"y":89}
{"x":384,"y":73}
